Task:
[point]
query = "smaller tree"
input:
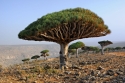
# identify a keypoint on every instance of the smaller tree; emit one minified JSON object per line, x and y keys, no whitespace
{"x":77,"y":45}
{"x":35,"y":57}
{"x":118,"y":48}
{"x":86,"y":49}
{"x":123,"y":48}
{"x":26,"y":60}
{"x":90,"y":48}
{"x":96,"y":49}
{"x":109,"y":49}
{"x":103,"y":44}
{"x":44,"y":53}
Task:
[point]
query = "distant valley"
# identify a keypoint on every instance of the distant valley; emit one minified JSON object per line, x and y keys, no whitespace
{"x":13,"y":54}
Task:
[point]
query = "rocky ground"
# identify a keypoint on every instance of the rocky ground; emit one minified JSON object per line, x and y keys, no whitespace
{"x":92,"y":68}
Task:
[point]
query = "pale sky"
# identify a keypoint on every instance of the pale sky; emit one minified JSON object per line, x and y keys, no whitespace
{"x":15,"y":15}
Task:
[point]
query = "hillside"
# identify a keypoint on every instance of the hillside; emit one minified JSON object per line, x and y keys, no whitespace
{"x":13,"y":54}
{"x":94,"y":68}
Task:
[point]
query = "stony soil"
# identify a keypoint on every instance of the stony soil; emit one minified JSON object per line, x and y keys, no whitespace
{"x":92,"y":68}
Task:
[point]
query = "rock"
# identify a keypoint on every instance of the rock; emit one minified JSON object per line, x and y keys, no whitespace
{"x":110,"y":72}
{"x":78,"y":73}
{"x":121,"y":69}
{"x":56,"y":66}
{"x":92,"y":78}
{"x":106,"y":82}
{"x":67,"y":72}
{"x":84,"y":81}
{"x":89,"y":62}
{"x":34,"y":82}
{"x":114,"y":81}
{"x":123,"y":79}
{"x":23,"y":78}
{"x":93,"y":73}
{"x":93,"y":62}
{"x":66,"y":78}
{"x":86,"y":77}
{"x":100,"y":68}
{"x":106,"y":76}
{"x":75,"y":66}
{"x":60,"y":75}
{"x":69,"y":65}
{"x":82,"y":63}
{"x":119,"y":72}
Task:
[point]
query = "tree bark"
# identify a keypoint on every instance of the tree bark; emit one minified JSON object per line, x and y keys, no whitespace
{"x":63,"y":56}
{"x":69,"y":55}
{"x":102,"y":51}
{"x":87,"y":53}
{"x":76,"y":53}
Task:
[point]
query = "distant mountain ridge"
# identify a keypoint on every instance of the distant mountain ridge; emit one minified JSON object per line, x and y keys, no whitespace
{"x":13,"y":54}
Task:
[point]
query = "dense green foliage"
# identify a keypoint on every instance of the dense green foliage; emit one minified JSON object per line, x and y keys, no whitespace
{"x":90,"y":48}
{"x":56,"y":19}
{"x":77,"y":45}
{"x":52,"y":20}
{"x":118,"y":48}
{"x":35,"y":57}
{"x":44,"y":51}
{"x":107,"y":42}
{"x":65,"y":26}
{"x":27,"y":59}
{"x":123,"y":47}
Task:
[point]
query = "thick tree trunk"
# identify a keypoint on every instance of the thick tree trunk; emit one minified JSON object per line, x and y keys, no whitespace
{"x":63,"y":55}
{"x":76,"y":53}
{"x":44,"y":58}
{"x":87,"y":53}
{"x":69,"y":55}
{"x":102,"y":51}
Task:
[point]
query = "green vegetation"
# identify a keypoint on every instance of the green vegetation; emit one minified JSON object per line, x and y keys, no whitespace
{"x":123,"y":48}
{"x":118,"y":48}
{"x":44,"y":53}
{"x":77,"y":45}
{"x":35,"y":57}
{"x":26,"y":60}
{"x":90,"y":48}
{"x":65,"y":26}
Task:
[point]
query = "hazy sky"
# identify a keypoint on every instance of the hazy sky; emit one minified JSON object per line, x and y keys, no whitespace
{"x":15,"y":15}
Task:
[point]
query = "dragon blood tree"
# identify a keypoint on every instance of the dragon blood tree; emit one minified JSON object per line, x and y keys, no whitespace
{"x":77,"y":45}
{"x":35,"y":57}
{"x":87,"y":49}
{"x":123,"y":48}
{"x":26,"y":60}
{"x":103,"y":44}
{"x":45,"y":53}
{"x":65,"y":26}
{"x":90,"y":48}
